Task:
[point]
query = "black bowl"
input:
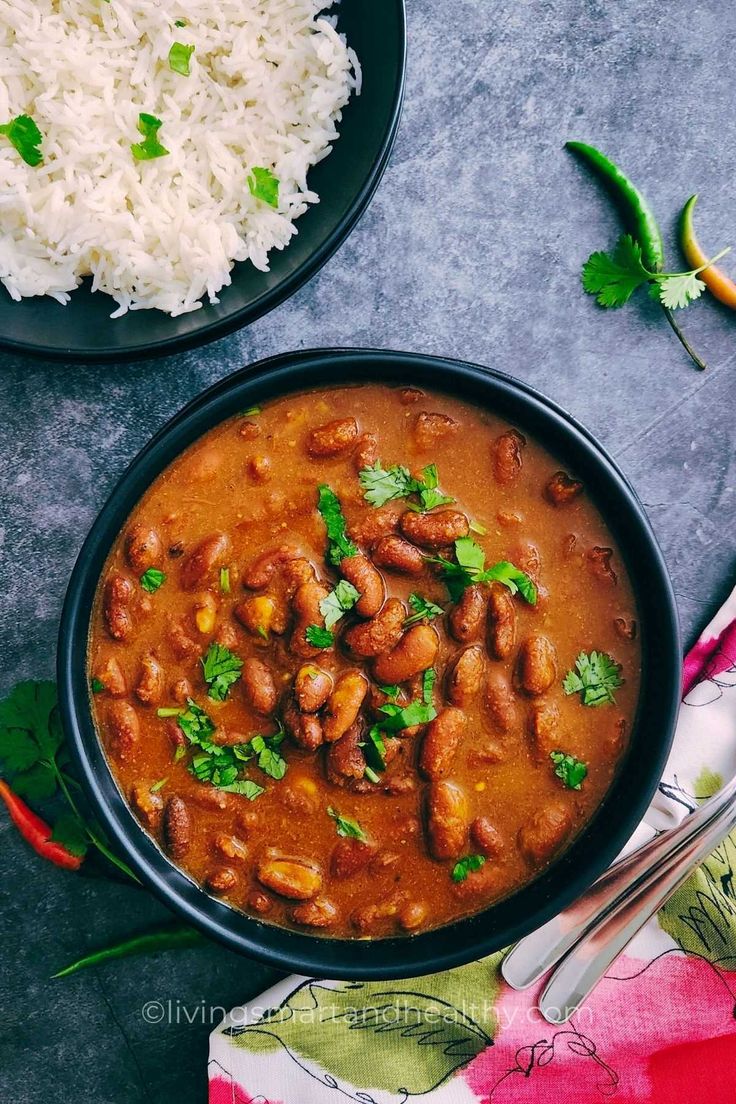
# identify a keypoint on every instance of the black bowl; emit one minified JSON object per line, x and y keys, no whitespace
{"x":623,"y":806}
{"x":345,"y":182}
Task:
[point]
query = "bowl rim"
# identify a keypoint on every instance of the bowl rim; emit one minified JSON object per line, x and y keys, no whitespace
{"x":268,"y":300}
{"x":592,"y":850}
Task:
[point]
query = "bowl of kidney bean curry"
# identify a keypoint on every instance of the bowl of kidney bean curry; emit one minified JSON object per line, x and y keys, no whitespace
{"x":364,"y":660}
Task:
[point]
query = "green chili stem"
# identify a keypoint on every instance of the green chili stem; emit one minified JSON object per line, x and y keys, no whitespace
{"x":170,"y":938}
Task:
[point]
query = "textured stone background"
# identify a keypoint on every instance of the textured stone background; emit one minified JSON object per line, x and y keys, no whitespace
{"x":471,"y":248}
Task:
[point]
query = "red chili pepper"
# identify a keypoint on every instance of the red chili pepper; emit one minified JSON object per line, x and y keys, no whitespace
{"x":36,"y":831}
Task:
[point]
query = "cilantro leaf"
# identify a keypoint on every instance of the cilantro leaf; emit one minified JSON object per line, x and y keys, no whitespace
{"x":266,"y":748}
{"x":196,"y":725}
{"x":374,"y":751}
{"x":18,"y":750}
{"x":150,"y":147}
{"x":152,"y":579}
{"x":679,"y":290}
{"x":71,"y":833}
{"x":339,"y":544}
{"x":346,"y":827}
{"x":464,"y":866}
{"x":381,"y":485}
{"x":423,"y":609}
{"x":569,"y":769}
{"x":29,"y":713}
{"x":96,"y":685}
{"x":397,"y":716}
{"x":512,"y":577}
{"x":179,"y":58}
{"x":391,"y":692}
{"x":245,"y":787}
{"x":221,"y":669}
{"x":25,"y":137}
{"x":613,"y":278}
{"x":338,"y":602}
{"x":263,"y":185}
{"x":470,"y":568}
{"x":319,"y":637}
{"x":225,"y":580}
{"x":428,"y":680}
{"x":37,"y":783}
{"x":595,"y":678}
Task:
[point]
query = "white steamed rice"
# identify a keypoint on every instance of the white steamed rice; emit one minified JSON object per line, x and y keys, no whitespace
{"x":267,"y":84}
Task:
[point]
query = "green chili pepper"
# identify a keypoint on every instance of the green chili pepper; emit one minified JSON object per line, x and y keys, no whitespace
{"x":640,"y":218}
{"x":643,"y":224}
{"x":163,"y":939}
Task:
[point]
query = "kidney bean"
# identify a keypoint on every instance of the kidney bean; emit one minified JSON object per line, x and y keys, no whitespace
{"x":376,"y":523}
{"x":261,"y":614}
{"x":350,"y":856}
{"x":614,"y":737}
{"x":147,"y":806}
{"x":333,"y":438}
{"x":501,"y":624}
{"x":465,"y":676}
{"x":624,"y":626}
{"x":441,"y":741}
{"x":143,"y":548}
{"x":259,"y":688}
{"x":203,"y":559}
{"x":181,"y":691}
{"x":412,"y":915}
{"x":447,"y":820}
{"x":544,"y":726}
{"x":430,"y":428}
{"x":319,"y":913}
{"x":177,"y":827}
{"x":312,"y":687}
{"x":110,"y":674}
{"x":599,"y":562}
{"x":368,"y":918}
{"x":181,"y":642}
{"x":486,"y":837}
{"x":296,"y":572}
{"x":297,"y":800}
{"x":403,"y":783}
{"x":537,"y":664}
{"x":304,"y":728}
{"x":359,"y":571}
{"x":544,"y":832}
{"x":466,"y":618}
{"x":507,"y":456}
{"x":491,"y":752}
{"x":259,"y":902}
{"x":396,"y":554}
{"x":509,"y":518}
{"x":479,"y":883}
{"x":116,"y":599}
{"x":561,"y":489}
{"x":501,"y":704}
{"x":150,"y":680}
{"x":415,"y":652}
{"x":261,"y":571}
{"x":436,"y":529}
{"x":366,"y":451}
{"x":293,"y":878}
{"x":231,"y":847}
{"x":526,"y":556}
{"x":343,"y":704}
{"x":409,"y":395}
{"x":124,"y":728}
{"x":345,"y":760}
{"x":305,"y":605}
{"x":381,"y":633}
{"x":221,"y":880}
{"x":259,"y":469}
{"x":249,"y":430}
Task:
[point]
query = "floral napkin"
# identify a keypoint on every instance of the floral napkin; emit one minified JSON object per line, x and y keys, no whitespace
{"x":660,"y":1027}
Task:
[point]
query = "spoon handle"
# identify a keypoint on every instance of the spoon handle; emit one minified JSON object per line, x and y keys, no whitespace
{"x":537,"y":952}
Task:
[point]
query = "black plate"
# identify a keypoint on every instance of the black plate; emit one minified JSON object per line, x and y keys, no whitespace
{"x":345,"y":182}
{"x":624,"y":805}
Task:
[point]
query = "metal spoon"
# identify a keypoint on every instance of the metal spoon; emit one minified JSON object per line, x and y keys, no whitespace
{"x":596,"y":928}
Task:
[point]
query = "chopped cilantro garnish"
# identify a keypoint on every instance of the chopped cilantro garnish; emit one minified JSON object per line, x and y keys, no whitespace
{"x":179,"y":58}
{"x":266,"y":749}
{"x":245,"y":788}
{"x":423,"y":609}
{"x":97,"y":685}
{"x":263,"y":185}
{"x":381,"y":485}
{"x":374,"y":751}
{"x":595,"y":678}
{"x":319,"y":637}
{"x":428,"y":680}
{"x":221,"y":669}
{"x":462,"y":868}
{"x":476,"y":527}
{"x":152,"y":579}
{"x":371,"y":775}
{"x":250,"y":412}
{"x":470,"y":568}
{"x":150,"y":147}
{"x":180,"y":22}
{"x":571,"y":770}
{"x":391,"y":692}
{"x":158,"y":785}
{"x":221,"y":765}
{"x":25,"y":137}
{"x":339,"y":544}
{"x":346,"y":827}
{"x":225,"y":580}
{"x":338,"y":602}
{"x":194,"y":723}
{"x":395,"y":718}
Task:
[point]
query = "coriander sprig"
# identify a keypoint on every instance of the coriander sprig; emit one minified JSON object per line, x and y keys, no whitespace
{"x":614,"y":277}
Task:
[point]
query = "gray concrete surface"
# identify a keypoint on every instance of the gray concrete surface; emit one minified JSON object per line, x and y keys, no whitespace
{"x":471,"y":248}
